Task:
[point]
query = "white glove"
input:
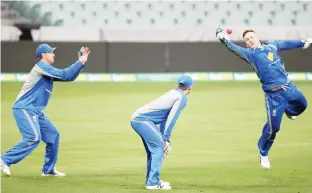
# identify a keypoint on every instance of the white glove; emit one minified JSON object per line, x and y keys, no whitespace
{"x":307,"y":43}
{"x":167,"y":148}
{"x":221,"y":34}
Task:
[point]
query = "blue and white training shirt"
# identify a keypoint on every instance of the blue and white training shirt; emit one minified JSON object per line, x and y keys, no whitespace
{"x":37,"y":89}
{"x":266,"y":61}
{"x":165,"y":111}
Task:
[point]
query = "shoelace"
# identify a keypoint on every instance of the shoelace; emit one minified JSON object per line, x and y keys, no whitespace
{"x":160,"y":186}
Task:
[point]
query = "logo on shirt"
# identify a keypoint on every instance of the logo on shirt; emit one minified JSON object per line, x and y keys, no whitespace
{"x":270,"y":56}
{"x":274,"y":112}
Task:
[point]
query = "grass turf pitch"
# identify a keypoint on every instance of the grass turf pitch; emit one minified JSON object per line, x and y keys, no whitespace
{"x":214,"y":141}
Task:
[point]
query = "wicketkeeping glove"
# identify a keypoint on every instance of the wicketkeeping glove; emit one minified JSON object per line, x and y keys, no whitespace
{"x":167,"y":148}
{"x":221,"y":35}
{"x":219,"y":30}
{"x":307,"y":43}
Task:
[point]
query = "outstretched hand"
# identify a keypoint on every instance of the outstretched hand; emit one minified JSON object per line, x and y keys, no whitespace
{"x":219,"y":30}
{"x":220,"y":34}
{"x":83,"y":54}
{"x":307,"y":43}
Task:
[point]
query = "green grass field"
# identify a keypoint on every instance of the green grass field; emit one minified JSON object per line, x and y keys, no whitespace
{"x":214,"y":141}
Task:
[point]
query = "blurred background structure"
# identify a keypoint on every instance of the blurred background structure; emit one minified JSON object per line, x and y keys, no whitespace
{"x":151,"y":36}
{"x":155,"y":20}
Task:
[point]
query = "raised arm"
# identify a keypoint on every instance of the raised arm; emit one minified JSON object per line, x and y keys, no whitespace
{"x":239,"y":51}
{"x":67,"y":74}
{"x":290,"y":44}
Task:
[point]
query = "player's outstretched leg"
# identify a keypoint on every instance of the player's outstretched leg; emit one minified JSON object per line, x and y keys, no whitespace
{"x":275,"y":107}
{"x":5,"y":168}
{"x":29,"y":129}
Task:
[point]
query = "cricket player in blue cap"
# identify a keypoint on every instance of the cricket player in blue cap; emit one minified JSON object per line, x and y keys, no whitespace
{"x":164,"y":111}
{"x":281,"y":95}
{"x":33,"y":98}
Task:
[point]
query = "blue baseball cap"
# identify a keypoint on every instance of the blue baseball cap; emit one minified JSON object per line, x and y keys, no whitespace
{"x":44,"y":48}
{"x":185,"y":81}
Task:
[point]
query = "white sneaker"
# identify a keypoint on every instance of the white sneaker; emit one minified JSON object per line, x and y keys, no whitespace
{"x":55,"y":173}
{"x":291,"y":117}
{"x":265,"y":163}
{"x":165,"y":183}
{"x":162,"y":186}
{"x":4,"y":168}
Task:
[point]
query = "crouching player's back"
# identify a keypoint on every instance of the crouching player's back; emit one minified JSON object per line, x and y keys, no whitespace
{"x":158,"y":110}
{"x":164,"y":111}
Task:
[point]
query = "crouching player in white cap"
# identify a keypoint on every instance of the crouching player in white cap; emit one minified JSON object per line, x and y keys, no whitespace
{"x":163,"y":111}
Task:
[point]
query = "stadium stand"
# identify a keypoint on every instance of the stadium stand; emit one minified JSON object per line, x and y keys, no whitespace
{"x":164,"y":14}
{"x":140,"y":18}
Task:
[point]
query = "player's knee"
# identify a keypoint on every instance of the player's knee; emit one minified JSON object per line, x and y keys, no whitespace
{"x":34,"y":142}
{"x":158,"y":151}
{"x":272,"y":136}
{"x":56,"y":137}
{"x":304,"y":105}
{"x":275,"y":129}
{"x":35,"y":138}
{"x":53,"y":138}
{"x":57,"y":134}
{"x":301,"y":108}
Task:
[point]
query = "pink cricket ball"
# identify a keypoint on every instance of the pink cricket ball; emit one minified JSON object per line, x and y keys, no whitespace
{"x":229,"y":31}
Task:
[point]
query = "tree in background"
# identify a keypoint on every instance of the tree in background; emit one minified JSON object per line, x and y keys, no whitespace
{"x":33,"y":13}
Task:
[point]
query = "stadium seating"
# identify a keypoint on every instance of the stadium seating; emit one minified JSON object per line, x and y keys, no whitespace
{"x":156,"y":20}
{"x":163,"y":14}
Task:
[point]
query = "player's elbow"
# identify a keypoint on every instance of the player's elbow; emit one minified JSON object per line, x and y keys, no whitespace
{"x":69,"y":78}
